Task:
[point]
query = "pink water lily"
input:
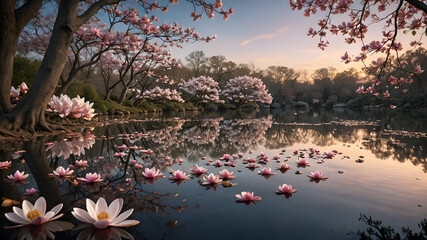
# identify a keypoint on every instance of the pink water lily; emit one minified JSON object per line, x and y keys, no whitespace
{"x":211,"y":179}
{"x":247,"y":197}
{"x":317,"y":175}
{"x":198,"y":170}
{"x":179,"y":175}
{"x":5,"y":165}
{"x":81,"y":163}
{"x":235,"y":156}
{"x":251,"y":160}
{"x":61,"y":172}
{"x":30,"y":191}
{"x":240,"y":155}
{"x":303,"y":162}
{"x":35,"y":215}
{"x":295,"y":151}
{"x":120,"y":154}
{"x":152,"y":173}
{"x":285,"y":189}
{"x":217,"y":163}
{"x":284,"y":166}
{"x":253,"y":165}
{"x":250,"y":151}
{"x":122,"y":148}
{"x":225,"y":174}
{"x":101,"y":215}
{"x":276,"y":157}
{"x":18,"y":176}
{"x":265,"y":171}
{"x":226,"y":157}
{"x":91,"y":178}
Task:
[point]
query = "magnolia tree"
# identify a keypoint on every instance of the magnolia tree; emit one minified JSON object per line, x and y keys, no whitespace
{"x":29,"y":113}
{"x":202,"y":90}
{"x":158,"y":94}
{"x":396,"y":16}
{"x":246,"y":89}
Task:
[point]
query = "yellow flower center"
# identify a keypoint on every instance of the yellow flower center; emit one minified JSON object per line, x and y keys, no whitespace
{"x":103,"y":215}
{"x":33,"y":214}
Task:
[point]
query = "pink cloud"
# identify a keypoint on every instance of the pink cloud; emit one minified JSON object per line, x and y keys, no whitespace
{"x":265,"y":36}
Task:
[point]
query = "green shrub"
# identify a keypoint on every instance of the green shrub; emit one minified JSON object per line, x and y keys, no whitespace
{"x":24,"y":70}
{"x":83,"y":90}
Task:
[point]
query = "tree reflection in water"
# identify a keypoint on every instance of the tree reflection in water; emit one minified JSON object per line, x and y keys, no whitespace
{"x":193,"y":139}
{"x":376,"y":231}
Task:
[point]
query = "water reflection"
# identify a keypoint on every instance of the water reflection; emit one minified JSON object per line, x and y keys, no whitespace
{"x":211,"y":137}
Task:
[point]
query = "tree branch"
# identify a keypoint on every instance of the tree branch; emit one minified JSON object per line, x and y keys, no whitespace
{"x":93,"y":9}
{"x":26,"y":12}
{"x":418,"y":4}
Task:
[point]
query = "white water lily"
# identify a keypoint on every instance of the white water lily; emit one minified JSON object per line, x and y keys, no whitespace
{"x":35,"y":215}
{"x":101,"y":215}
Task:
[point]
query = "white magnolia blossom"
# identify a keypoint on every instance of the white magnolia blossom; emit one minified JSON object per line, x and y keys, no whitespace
{"x":203,"y":89}
{"x":246,"y":89}
{"x":73,"y":108}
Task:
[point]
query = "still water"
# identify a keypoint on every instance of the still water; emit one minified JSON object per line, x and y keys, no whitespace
{"x":377,"y":167}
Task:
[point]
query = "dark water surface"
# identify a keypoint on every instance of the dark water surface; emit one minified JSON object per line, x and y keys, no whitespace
{"x":379,"y":170}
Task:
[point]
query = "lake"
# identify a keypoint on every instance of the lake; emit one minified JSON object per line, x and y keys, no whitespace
{"x":375,"y":163}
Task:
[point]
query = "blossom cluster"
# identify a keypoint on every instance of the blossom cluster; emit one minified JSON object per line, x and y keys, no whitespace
{"x":17,"y":93}
{"x":202,"y":89}
{"x":76,"y":108}
{"x":160,"y":94}
{"x":246,"y":89}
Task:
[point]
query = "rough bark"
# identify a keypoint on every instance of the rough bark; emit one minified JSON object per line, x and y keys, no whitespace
{"x":29,"y":113}
{"x":12,"y":22}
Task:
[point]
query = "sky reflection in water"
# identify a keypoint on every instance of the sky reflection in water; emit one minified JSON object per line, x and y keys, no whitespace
{"x":389,"y":185}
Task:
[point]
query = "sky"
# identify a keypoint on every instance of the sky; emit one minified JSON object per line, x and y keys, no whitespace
{"x":264,"y":33}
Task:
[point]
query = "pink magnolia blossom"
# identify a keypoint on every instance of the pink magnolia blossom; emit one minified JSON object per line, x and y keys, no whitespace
{"x":18,"y":176}
{"x":152,"y":173}
{"x":91,"y":178}
{"x":198,"y":170}
{"x":285,"y":189}
{"x":266,"y":171}
{"x":247,"y":197}
{"x":418,"y":70}
{"x":211,"y":179}
{"x":73,"y":108}
{"x":5,"y":164}
{"x":179,"y":175}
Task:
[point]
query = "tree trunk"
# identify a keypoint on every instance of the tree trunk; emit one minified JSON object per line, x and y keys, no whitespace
{"x":123,"y":95}
{"x":29,"y":113}
{"x":8,"y":43}
{"x":67,"y":83}
{"x":12,"y":22}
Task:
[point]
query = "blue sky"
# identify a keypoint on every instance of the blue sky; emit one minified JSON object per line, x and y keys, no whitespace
{"x":264,"y":33}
